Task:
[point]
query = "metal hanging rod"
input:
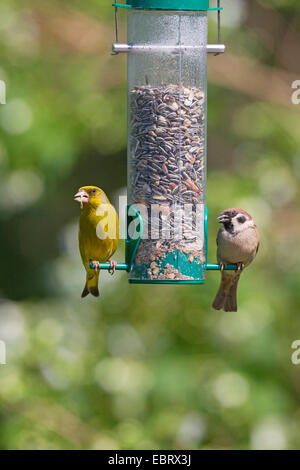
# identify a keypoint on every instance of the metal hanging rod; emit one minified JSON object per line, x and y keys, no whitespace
{"x":210,"y":48}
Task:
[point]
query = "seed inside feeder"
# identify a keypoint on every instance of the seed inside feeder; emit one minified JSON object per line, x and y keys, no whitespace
{"x":167,"y":147}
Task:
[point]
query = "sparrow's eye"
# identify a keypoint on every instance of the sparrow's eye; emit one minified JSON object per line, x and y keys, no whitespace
{"x":93,"y":191}
{"x":241,"y":219}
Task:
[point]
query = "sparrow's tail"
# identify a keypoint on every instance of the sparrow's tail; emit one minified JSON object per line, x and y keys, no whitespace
{"x":226,"y":298}
{"x":91,"y":285}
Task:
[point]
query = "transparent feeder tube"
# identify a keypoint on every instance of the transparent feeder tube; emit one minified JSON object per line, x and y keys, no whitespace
{"x":167,"y":142}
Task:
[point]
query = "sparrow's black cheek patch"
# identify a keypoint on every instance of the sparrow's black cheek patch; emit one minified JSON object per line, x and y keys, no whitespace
{"x":242,"y":219}
{"x":229,"y":227}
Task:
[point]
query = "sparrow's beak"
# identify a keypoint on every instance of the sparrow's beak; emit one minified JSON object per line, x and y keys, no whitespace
{"x":82,"y":197}
{"x":223,"y":218}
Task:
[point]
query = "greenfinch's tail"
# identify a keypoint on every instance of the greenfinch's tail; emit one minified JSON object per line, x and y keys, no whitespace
{"x":91,"y":285}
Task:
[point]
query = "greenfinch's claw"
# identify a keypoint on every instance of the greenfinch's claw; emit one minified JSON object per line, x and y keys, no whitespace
{"x":96,"y":265}
{"x":113,"y":266}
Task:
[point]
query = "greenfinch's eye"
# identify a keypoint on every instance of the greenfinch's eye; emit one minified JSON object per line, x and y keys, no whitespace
{"x":93,"y":191}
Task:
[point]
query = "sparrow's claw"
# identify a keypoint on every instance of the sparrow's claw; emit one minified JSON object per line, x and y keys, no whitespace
{"x":240,"y":266}
{"x":96,"y":265}
{"x":223,"y":265}
{"x":113,"y":266}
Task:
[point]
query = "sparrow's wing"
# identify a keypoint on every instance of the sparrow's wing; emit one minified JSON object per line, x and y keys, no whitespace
{"x":218,"y":236}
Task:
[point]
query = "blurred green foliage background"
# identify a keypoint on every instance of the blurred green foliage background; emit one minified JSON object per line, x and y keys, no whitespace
{"x":144,"y":366}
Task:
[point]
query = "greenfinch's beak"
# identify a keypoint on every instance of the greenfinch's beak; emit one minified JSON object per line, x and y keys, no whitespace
{"x":82,"y":197}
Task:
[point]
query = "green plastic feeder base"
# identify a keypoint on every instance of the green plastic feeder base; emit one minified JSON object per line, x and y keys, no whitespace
{"x":178,"y":263}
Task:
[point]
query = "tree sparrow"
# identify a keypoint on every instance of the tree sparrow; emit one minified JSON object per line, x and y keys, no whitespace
{"x":238,"y":242}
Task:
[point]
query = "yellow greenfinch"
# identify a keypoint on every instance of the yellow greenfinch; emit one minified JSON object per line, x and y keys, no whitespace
{"x":98,"y":234}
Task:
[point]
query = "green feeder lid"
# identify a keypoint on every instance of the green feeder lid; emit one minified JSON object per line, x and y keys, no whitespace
{"x":200,"y":5}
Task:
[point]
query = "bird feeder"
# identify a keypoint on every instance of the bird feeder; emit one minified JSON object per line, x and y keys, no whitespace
{"x":167,"y":93}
